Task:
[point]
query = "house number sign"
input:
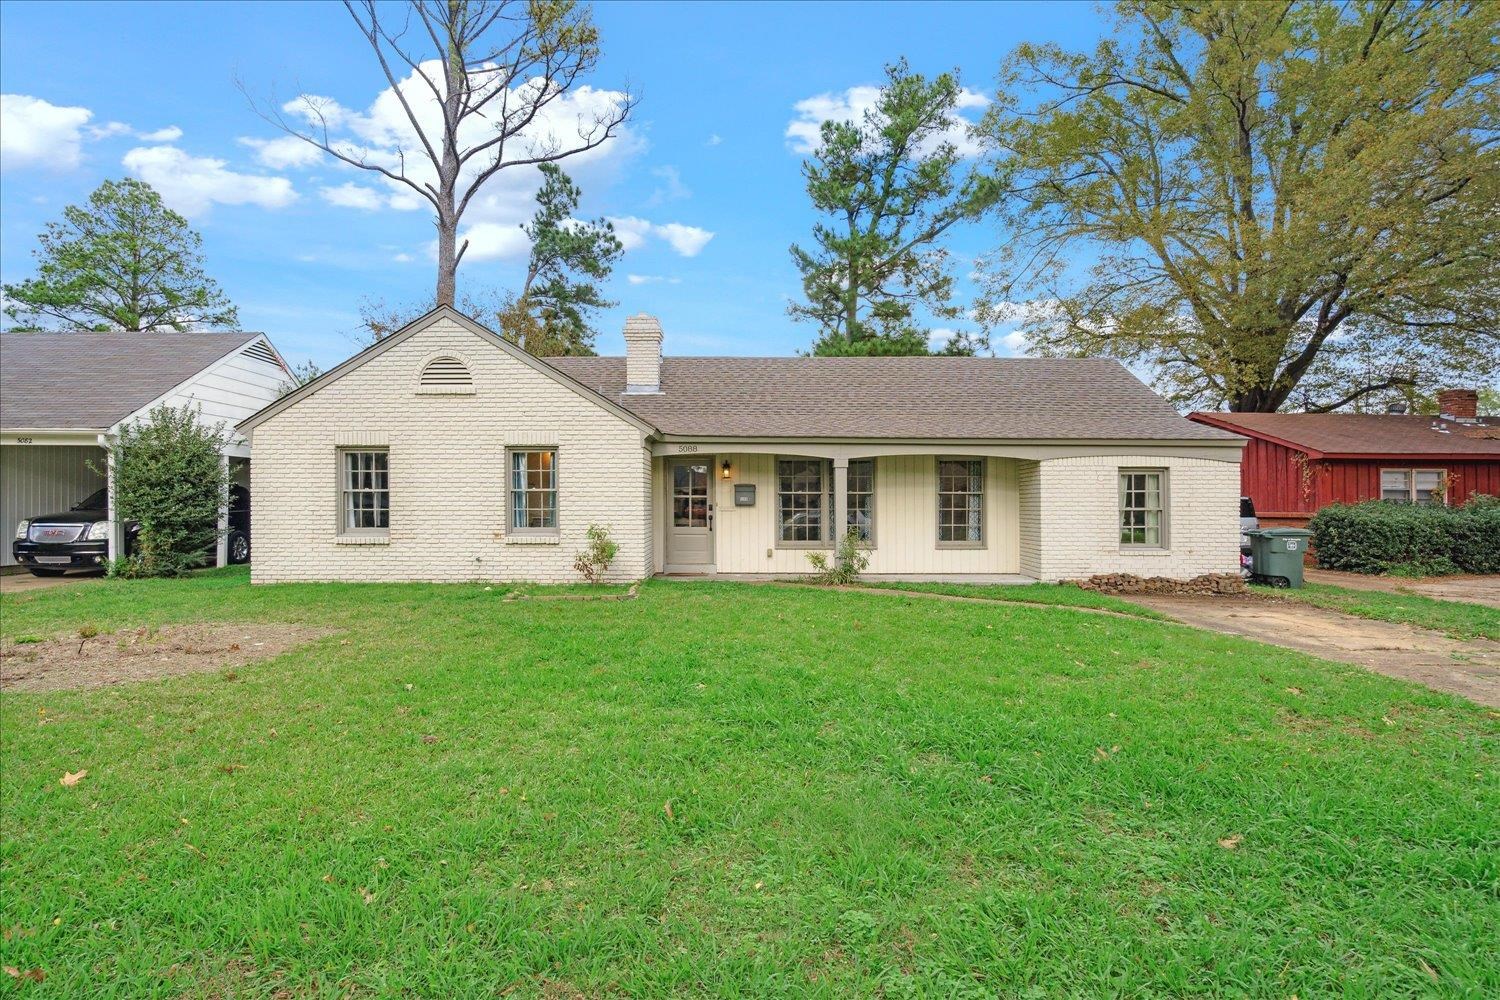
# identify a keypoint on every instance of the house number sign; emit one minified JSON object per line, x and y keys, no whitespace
{"x":684,"y":449}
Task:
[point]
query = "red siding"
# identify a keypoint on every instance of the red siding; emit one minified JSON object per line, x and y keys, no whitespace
{"x":1282,"y":480}
{"x":1276,"y":478}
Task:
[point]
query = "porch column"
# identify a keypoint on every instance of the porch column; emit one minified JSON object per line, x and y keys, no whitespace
{"x":221,"y":548}
{"x":840,"y":499}
{"x":116,"y":547}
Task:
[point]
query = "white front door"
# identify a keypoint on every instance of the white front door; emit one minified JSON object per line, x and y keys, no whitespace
{"x":690,"y":514}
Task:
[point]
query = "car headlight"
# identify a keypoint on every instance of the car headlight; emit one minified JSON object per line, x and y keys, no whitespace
{"x":98,"y":531}
{"x":21,"y":529}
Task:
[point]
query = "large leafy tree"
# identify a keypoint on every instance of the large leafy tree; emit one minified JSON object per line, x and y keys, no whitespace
{"x":482,"y":82}
{"x":1292,"y":204}
{"x":551,"y":313}
{"x":125,"y":262}
{"x":889,"y":186}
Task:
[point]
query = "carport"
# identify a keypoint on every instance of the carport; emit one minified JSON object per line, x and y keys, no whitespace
{"x":64,"y":396}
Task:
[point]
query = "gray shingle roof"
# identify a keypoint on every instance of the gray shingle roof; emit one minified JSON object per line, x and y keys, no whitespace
{"x":897,"y":398}
{"x":93,"y":380}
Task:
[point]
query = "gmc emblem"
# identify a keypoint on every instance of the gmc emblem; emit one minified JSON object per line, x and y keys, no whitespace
{"x":53,"y":533}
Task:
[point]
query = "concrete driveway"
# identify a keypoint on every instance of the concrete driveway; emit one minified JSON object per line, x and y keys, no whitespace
{"x":1469,"y":668}
{"x":20,"y":583}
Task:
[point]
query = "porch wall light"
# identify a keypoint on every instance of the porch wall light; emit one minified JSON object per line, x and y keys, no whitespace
{"x":724,"y":469}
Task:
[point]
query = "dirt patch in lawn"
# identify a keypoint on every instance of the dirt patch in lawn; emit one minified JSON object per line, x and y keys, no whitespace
{"x":1470,"y":668}
{"x":87,"y":661}
{"x":1471,"y":588}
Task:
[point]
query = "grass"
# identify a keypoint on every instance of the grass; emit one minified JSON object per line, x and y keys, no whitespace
{"x":736,"y":790}
{"x":1060,"y":594}
{"x":1459,"y":619}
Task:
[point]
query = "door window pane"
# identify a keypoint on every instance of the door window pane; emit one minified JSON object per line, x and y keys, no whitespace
{"x":690,"y":495}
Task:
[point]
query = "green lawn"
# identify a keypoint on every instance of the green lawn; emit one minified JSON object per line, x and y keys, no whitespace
{"x":1457,"y":618}
{"x":868,"y":795}
{"x":1029,"y":593}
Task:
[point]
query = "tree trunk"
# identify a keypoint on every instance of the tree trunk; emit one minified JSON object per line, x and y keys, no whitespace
{"x":447,"y":258}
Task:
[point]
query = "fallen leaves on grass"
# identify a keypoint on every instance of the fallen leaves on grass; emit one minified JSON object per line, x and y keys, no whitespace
{"x":71,"y":778}
{"x":666,"y":807}
{"x":1232,"y":841}
{"x":369,"y":897}
{"x":1292,"y":690}
{"x":29,"y":976}
{"x":1101,"y":754}
{"x":429,"y":738}
{"x":1431,"y":972}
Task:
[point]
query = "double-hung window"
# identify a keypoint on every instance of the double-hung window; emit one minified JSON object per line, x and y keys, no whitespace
{"x":1143,"y":508}
{"x":861,"y":498}
{"x":533,"y":491}
{"x":1413,"y":485}
{"x":802,"y":500}
{"x":960,"y":486}
{"x":364,"y":492}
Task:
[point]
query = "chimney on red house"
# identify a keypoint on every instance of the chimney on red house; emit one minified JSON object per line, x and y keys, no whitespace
{"x":1458,"y":404}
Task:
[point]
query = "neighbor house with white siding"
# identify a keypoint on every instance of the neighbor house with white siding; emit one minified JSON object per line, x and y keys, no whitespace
{"x":444,"y":452}
{"x":64,"y":396}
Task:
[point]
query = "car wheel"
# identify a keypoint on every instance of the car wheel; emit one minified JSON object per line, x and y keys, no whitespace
{"x":37,"y":571}
{"x":239,"y":548}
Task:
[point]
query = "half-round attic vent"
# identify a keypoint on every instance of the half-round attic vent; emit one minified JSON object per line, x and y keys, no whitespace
{"x":446,"y":375}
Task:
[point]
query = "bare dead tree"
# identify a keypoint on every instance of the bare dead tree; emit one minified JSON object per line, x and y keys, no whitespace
{"x":491,"y":68}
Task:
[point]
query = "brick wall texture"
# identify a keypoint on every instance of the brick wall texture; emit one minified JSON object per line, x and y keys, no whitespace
{"x":447,"y":472}
{"x":1070,"y":518}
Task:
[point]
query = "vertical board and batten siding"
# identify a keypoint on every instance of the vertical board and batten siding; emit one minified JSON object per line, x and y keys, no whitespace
{"x":1029,"y":510}
{"x":448,"y":478}
{"x":230,"y":389}
{"x":905,"y":520}
{"x":42,"y":479}
{"x":1344,"y":481}
{"x":1285,"y":484}
{"x":1077,"y":510}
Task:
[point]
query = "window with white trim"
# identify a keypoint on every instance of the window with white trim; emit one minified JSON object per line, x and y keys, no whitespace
{"x":802,"y":500}
{"x":364,"y":492}
{"x":533,"y":491}
{"x":861,"y":499}
{"x":1414,"y":485}
{"x":960,"y":496}
{"x":1143,"y":508}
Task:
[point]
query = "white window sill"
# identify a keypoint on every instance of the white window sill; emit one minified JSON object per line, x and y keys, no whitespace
{"x":1126,"y":550}
{"x":532,"y":540}
{"x":361,"y":539}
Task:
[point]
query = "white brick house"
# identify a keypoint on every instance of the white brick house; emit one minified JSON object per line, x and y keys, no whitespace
{"x":445,"y":453}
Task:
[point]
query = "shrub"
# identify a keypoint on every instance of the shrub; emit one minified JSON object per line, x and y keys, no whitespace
{"x":170,"y":479}
{"x":849,"y":560}
{"x":593,"y":562}
{"x":1379,"y":536}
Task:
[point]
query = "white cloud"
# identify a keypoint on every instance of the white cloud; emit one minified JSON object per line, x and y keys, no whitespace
{"x":939,"y":336}
{"x":671,"y":189}
{"x":34,"y":133}
{"x":495,"y":241}
{"x":652,"y":279}
{"x":169,"y":134}
{"x":352,"y":196}
{"x":714,"y":140}
{"x":1015,"y":342}
{"x":402,"y":258}
{"x":194,"y":184}
{"x":109,"y":130}
{"x":686,"y":240}
{"x":284,"y":152}
{"x":852,"y":105}
{"x":1014,"y":317}
{"x":633,"y":231}
{"x":382,"y":134}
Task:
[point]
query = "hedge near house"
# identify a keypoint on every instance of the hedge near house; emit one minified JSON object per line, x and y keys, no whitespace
{"x":170,"y":480}
{"x":1420,"y":539}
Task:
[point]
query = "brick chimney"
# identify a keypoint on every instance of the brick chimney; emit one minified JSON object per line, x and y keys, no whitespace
{"x":642,"y":353}
{"x":1458,"y":404}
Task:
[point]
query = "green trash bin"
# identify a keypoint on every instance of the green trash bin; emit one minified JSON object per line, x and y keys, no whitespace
{"x":1276,"y":555}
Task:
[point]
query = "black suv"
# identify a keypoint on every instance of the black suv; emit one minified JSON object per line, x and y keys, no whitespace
{"x":52,"y":544}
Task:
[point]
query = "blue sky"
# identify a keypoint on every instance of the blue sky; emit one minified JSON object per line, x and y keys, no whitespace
{"x":707,"y":177}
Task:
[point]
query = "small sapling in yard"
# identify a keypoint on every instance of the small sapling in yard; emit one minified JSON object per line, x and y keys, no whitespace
{"x":849,"y":561}
{"x":593,"y":562}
